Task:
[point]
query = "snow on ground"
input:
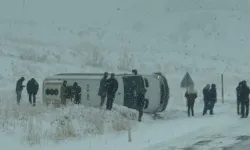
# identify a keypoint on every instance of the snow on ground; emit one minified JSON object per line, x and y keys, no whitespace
{"x":175,"y":131}
{"x":206,"y":38}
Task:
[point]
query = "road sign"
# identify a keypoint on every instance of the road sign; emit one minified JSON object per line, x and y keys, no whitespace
{"x":187,"y":81}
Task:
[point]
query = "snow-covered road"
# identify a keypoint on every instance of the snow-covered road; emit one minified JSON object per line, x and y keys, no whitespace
{"x":244,"y":144}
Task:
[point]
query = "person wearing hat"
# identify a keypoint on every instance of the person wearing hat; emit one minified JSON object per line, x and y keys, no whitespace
{"x":102,"y":92}
{"x":19,"y":89}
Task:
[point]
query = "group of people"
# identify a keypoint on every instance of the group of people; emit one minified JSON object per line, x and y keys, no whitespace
{"x":74,"y":93}
{"x":108,"y":88}
{"x":242,"y":93}
{"x":209,"y":97}
{"x":32,"y":89}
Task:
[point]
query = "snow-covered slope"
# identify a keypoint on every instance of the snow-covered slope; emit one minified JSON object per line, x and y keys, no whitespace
{"x":169,"y":33}
{"x":43,"y":37}
{"x":202,"y":37}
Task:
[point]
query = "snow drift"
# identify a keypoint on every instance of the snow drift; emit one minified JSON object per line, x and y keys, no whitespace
{"x":40,"y":124}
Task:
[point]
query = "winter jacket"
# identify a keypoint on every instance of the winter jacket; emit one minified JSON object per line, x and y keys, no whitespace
{"x":76,"y":91}
{"x":112,"y":86}
{"x":206,"y":94}
{"x":103,"y":87}
{"x":238,"y":90}
{"x":213,"y":95}
{"x":244,"y":93}
{"x":63,"y":92}
{"x":19,"y":85}
{"x":32,"y":86}
{"x":191,"y":96}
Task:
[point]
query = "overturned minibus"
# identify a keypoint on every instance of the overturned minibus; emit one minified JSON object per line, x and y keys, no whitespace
{"x":156,"y":84}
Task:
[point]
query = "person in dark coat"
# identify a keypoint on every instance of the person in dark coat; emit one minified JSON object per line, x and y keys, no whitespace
{"x":191,"y":95}
{"x":76,"y":90}
{"x":112,"y":87}
{"x":213,"y":98}
{"x":19,"y":89}
{"x":64,"y":93}
{"x":206,"y":98}
{"x":32,"y":89}
{"x":103,"y":88}
{"x":244,"y":97}
{"x":140,"y":102}
{"x":238,"y":101}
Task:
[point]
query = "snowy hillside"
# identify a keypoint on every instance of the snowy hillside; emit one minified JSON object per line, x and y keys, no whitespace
{"x":207,"y":38}
{"x":77,"y":36}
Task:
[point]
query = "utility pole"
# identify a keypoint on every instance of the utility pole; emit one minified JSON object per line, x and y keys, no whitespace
{"x":222,"y":88}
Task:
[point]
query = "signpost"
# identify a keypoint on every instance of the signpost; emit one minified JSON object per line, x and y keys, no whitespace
{"x":187,"y":81}
{"x":222,"y":88}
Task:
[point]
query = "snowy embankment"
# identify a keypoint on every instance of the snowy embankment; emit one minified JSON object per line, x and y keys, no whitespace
{"x":39,"y":125}
{"x":174,"y":131}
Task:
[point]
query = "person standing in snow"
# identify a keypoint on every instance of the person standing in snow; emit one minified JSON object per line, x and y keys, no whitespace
{"x":19,"y":89}
{"x":206,"y":98}
{"x":140,"y":102}
{"x":244,"y":97}
{"x":238,"y":101}
{"x":112,"y":87}
{"x":191,"y":95}
{"x":103,"y":88}
{"x":63,"y":93}
{"x":76,"y":93}
{"x":32,"y":89}
{"x":213,"y":98}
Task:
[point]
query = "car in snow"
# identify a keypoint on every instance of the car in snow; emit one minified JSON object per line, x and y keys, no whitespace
{"x":156,"y":85}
